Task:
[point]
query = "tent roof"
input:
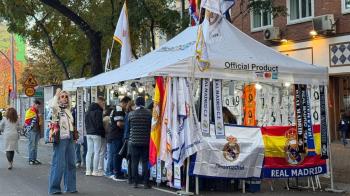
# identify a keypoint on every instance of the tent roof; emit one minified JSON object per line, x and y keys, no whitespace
{"x":226,"y":46}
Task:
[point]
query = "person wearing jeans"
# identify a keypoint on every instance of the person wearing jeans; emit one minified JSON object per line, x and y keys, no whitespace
{"x":32,"y":126}
{"x":63,"y":159}
{"x":95,"y":131}
{"x":80,"y":161}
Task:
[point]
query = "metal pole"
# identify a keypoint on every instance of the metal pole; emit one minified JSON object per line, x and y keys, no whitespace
{"x":14,"y":90}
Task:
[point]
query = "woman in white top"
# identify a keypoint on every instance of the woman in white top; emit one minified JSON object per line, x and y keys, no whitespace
{"x":9,"y":125}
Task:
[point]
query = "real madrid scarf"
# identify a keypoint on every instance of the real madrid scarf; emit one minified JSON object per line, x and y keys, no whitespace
{"x":218,"y":115}
{"x":299,"y":117}
{"x":205,"y":107}
{"x":324,"y":127}
{"x":311,"y":151}
{"x":249,"y":105}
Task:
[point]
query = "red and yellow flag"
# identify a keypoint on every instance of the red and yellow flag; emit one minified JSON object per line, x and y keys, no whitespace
{"x":156,"y":120}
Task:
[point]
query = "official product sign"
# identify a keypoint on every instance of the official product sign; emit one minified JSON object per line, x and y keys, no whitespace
{"x":239,"y":155}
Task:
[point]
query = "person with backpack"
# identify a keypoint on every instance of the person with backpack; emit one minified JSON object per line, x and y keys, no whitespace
{"x":63,"y":158}
{"x":9,"y":125}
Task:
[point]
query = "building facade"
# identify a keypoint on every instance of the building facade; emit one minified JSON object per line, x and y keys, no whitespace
{"x":298,"y":35}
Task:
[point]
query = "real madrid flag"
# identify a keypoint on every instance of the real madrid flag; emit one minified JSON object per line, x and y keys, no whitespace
{"x":122,"y":36}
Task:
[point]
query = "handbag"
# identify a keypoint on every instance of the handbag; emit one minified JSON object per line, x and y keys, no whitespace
{"x":52,"y":134}
{"x":124,"y":149}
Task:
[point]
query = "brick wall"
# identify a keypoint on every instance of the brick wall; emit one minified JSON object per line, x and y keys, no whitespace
{"x":296,"y":32}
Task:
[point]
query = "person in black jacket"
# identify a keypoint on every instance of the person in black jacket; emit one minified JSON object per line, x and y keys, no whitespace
{"x":95,"y":132}
{"x":140,"y":128}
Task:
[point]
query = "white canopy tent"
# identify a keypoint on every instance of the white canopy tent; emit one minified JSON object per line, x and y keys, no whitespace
{"x":233,"y":55}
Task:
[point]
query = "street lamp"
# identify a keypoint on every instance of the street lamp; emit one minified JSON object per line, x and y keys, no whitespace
{"x":12,"y":64}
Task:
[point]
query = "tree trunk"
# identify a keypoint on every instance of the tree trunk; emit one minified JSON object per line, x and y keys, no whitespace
{"x":95,"y":54}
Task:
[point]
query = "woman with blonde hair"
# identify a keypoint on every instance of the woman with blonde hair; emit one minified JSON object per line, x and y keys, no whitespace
{"x":10,"y":126}
{"x":63,"y":158}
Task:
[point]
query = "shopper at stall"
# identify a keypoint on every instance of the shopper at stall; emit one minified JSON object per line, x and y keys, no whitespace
{"x":107,"y":127}
{"x":140,"y":128}
{"x":10,"y":126}
{"x":115,"y":138}
{"x":129,"y":108}
{"x":32,"y":126}
{"x":63,"y":158}
{"x":95,"y":132}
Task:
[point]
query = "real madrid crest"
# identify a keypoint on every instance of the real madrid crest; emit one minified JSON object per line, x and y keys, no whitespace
{"x":293,"y":156}
{"x":231,"y":149}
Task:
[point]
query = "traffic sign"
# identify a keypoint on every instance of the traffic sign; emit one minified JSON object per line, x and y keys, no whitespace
{"x":30,"y":82}
{"x":29,"y":91}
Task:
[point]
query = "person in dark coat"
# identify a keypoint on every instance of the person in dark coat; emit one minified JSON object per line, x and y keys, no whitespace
{"x":95,"y":131}
{"x":140,"y":128}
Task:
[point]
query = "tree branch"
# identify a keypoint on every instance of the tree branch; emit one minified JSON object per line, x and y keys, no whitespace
{"x":152,"y":24}
{"x":80,"y":22}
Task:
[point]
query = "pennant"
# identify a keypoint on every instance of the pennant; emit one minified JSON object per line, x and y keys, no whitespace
{"x":202,"y":57}
{"x":205,"y":107}
{"x":122,"y":36}
{"x":156,"y":121}
{"x":324,"y":123}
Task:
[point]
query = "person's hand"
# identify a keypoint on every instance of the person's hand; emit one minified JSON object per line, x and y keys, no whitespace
{"x":58,"y":91}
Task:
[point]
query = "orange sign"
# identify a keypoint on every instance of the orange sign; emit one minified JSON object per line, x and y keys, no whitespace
{"x":29,"y":91}
{"x":30,"y":82}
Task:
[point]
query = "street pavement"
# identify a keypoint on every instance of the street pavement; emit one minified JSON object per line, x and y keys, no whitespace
{"x":26,"y":180}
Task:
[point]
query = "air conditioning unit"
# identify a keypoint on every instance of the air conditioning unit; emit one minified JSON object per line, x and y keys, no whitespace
{"x":324,"y":24}
{"x":272,"y":34}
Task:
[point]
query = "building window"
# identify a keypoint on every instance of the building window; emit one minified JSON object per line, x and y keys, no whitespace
{"x":260,"y":20}
{"x":345,"y":6}
{"x":300,"y":10}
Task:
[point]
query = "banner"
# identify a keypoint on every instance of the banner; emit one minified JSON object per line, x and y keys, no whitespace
{"x":205,"y":107}
{"x":80,"y":113}
{"x":218,"y":115}
{"x":282,"y":158}
{"x":324,"y":124}
{"x":156,"y":121}
{"x":240,"y":155}
{"x":249,"y":95}
{"x":299,"y":117}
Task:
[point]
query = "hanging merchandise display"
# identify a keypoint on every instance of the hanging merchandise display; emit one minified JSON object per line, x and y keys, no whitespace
{"x":205,"y":107}
{"x":315,"y":104}
{"x":311,"y":151}
{"x":240,"y":155}
{"x":282,"y":159}
{"x":218,"y":115}
{"x":324,"y":123}
{"x":249,"y":94}
{"x":80,"y":115}
{"x":299,"y":118}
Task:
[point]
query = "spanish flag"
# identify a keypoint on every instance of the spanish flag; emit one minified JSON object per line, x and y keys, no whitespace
{"x":122,"y":36}
{"x":282,"y":158}
{"x":156,"y":121}
{"x":31,"y":114}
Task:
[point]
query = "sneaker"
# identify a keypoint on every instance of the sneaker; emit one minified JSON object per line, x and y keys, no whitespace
{"x":31,"y":162}
{"x":36,"y":162}
{"x":97,"y":174}
{"x":119,"y":178}
{"x":88,"y":173}
{"x":77,"y":165}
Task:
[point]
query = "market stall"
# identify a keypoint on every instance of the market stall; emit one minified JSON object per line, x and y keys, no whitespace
{"x":215,"y":65}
